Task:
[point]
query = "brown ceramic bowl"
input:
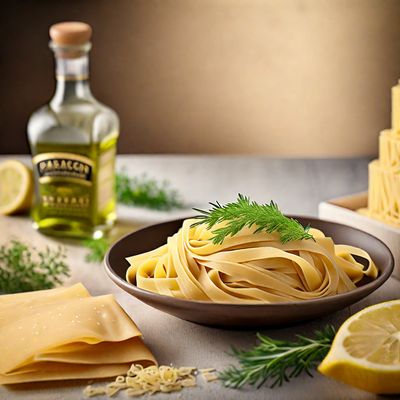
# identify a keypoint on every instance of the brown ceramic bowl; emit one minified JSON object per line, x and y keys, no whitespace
{"x":246,"y":315}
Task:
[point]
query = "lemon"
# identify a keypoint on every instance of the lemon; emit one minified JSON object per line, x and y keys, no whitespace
{"x":366,"y":350}
{"x":16,"y":187}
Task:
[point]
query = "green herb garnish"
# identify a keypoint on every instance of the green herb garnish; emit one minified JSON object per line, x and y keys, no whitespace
{"x":146,"y":192}
{"x":278,"y":360}
{"x":242,"y":213}
{"x":97,"y":249}
{"x":24,"y":269}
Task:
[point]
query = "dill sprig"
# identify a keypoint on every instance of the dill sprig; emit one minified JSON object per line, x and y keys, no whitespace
{"x":146,"y":192}
{"x":246,"y":213}
{"x":97,"y":249}
{"x":277,"y":361}
{"x":24,"y":268}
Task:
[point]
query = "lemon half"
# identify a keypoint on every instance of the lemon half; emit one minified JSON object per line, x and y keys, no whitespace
{"x":16,"y":187}
{"x":366,"y":350}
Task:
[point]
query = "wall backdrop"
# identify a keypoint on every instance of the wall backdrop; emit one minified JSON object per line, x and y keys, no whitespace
{"x":275,"y":77}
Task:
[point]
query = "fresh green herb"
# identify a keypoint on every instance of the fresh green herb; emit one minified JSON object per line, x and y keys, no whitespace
{"x":146,"y":192}
{"x":244,"y":213}
{"x":24,"y":269}
{"x":278,"y":360}
{"x":97,"y":249}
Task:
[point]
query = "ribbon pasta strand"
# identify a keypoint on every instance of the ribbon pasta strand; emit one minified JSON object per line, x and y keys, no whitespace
{"x":248,"y":267}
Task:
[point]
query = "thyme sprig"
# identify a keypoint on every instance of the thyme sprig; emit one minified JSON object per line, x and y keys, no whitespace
{"x":146,"y":192}
{"x":245,"y":213}
{"x":97,"y":249}
{"x":24,"y":268}
{"x":277,"y":361}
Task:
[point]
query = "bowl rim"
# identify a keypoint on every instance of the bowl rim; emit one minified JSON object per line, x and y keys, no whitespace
{"x":368,"y":287}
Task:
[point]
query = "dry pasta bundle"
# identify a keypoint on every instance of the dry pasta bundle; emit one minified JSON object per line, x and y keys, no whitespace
{"x":248,"y":267}
{"x":384,"y":178}
{"x":65,"y":333}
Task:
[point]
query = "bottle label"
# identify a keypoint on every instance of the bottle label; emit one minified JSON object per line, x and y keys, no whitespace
{"x":65,"y":183}
{"x":63,"y":165}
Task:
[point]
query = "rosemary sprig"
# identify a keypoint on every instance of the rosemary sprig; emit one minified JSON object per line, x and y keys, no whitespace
{"x":242,"y":213}
{"x":146,"y":192}
{"x":277,"y":360}
{"x":24,"y":269}
{"x":97,"y":249}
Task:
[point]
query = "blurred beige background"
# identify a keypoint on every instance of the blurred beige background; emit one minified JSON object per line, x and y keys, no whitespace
{"x":288,"y":77}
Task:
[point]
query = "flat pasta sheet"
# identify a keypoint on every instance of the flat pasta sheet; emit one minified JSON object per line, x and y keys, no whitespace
{"x":65,"y":333}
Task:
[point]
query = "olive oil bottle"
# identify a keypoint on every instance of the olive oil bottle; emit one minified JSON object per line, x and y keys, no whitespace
{"x":73,"y":144}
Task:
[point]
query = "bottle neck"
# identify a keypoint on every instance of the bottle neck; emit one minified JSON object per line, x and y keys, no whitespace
{"x":72,"y":76}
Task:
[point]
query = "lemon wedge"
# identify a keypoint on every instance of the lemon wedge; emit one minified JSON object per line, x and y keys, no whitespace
{"x":366,"y":350}
{"x":16,"y":187}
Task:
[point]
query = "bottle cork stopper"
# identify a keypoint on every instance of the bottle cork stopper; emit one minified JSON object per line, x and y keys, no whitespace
{"x":70,"y":33}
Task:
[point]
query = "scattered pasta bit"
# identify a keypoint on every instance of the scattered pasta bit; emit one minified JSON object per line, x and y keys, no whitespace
{"x":209,"y":374}
{"x":150,"y":380}
{"x":205,"y":370}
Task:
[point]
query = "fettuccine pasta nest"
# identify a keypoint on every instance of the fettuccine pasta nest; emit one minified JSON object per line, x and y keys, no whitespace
{"x":248,"y":267}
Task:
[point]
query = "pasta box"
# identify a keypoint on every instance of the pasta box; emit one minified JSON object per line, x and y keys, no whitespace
{"x":344,"y":211}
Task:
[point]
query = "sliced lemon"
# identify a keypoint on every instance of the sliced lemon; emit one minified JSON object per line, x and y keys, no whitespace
{"x":16,"y":187}
{"x":366,"y":350}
